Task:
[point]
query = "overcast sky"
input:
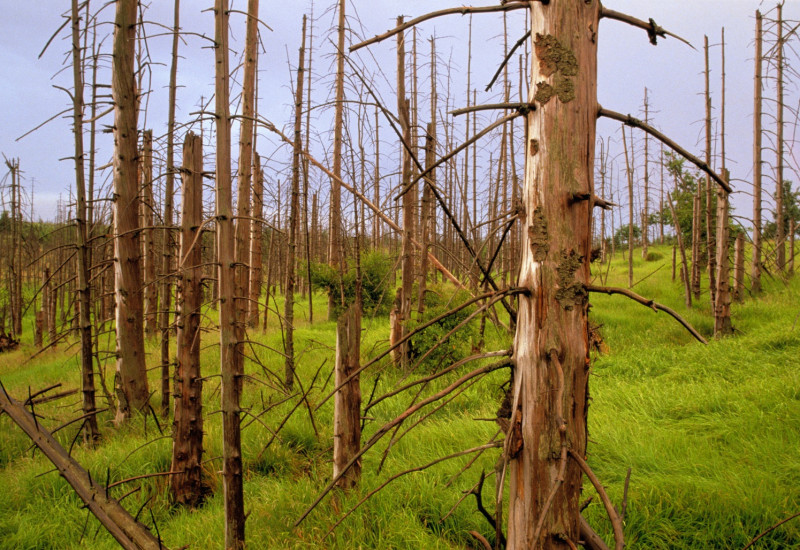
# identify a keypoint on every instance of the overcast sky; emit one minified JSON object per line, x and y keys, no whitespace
{"x":672,"y":71}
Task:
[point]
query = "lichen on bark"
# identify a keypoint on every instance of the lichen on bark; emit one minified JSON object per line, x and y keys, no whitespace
{"x":570,"y":293}
{"x":537,"y":235}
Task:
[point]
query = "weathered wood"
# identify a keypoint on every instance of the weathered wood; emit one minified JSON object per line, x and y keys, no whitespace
{"x":347,"y":402}
{"x":187,"y":432}
{"x":738,"y":272}
{"x":335,"y":221}
{"x":131,"y":379}
{"x":243,"y":180}
{"x":780,"y":233}
{"x":291,"y":268}
{"x":256,"y":243}
{"x":232,"y":482}
{"x":147,"y":206}
{"x":168,"y":233}
{"x":91,"y":430}
{"x":128,"y":532}
{"x":722,"y":304}
{"x":550,"y":384}
{"x":711,"y":242}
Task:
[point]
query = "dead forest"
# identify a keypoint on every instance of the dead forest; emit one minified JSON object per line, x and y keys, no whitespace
{"x":353,"y":233}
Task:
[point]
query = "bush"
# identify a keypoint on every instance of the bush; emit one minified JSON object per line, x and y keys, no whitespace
{"x":438,"y":300}
{"x":376,"y":290}
{"x":654,"y":257}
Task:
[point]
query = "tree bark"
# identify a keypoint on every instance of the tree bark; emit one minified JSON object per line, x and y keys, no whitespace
{"x":780,"y":234}
{"x":244,"y":177}
{"x":335,"y":226}
{"x":738,"y":273}
{"x":146,"y":206}
{"x":91,"y":433}
{"x":710,"y":195}
{"x":131,"y":379}
{"x":231,"y":375}
{"x":629,"y":172}
{"x":347,"y":402}
{"x":722,"y":305}
{"x":187,"y":432}
{"x":256,"y":243}
{"x":169,"y":243}
{"x":288,"y":313}
{"x":551,"y":354}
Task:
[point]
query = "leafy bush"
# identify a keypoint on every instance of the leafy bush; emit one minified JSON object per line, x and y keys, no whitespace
{"x":438,"y":300}
{"x":654,"y":257}
{"x":377,"y":293}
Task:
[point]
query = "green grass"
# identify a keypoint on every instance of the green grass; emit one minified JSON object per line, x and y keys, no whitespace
{"x":709,"y":432}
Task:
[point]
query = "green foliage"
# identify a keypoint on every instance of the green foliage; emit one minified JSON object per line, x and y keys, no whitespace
{"x":438,"y":300}
{"x":377,"y":294}
{"x":621,"y":236}
{"x":791,"y":211}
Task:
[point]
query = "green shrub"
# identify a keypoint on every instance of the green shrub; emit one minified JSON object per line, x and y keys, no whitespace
{"x":377,"y":294}
{"x":439,"y":300}
{"x":654,"y":257}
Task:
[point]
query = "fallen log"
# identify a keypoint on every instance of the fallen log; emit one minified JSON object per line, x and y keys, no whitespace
{"x":123,"y":527}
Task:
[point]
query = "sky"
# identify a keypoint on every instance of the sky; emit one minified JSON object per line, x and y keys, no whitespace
{"x":671,"y":71}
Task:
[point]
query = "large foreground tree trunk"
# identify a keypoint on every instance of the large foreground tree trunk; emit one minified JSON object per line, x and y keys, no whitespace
{"x":550,"y":347}
{"x":131,"y":382}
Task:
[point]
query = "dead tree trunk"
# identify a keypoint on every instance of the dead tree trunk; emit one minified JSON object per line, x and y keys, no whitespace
{"x":629,"y":172}
{"x":408,"y":262}
{"x":231,"y":377}
{"x":551,"y":355}
{"x":148,"y":237}
{"x":244,"y":176}
{"x":710,"y":196}
{"x":679,"y":235}
{"x":91,"y":430}
{"x":256,"y":242}
{"x":187,"y":432}
{"x":347,"y":402}
{"x":738,"y":272}
{"x":288,"y":313}
{"x":696,"y":243}
{"x":646,"y":213}
{"x":722,"y":305}
{"x":127,"y":531}
{"x":131,"y":379}
{"x":335,"y":222}
{"x":780,"y":234}
{"x":169,"y":244}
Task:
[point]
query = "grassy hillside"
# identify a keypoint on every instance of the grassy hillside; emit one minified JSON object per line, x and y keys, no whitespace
{"x":709,"y":432}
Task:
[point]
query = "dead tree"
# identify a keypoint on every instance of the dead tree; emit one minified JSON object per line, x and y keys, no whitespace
{"x":646,"y":213}
{"x":710,"y":195}
{"x":780,"y":233}
{"x":244,"y":177}
{"x":629,"y":172}
{"x":755,"y":268}
{"x":146,"y":206}
{"x":91,"y":430}
{"x":231,"y":375}
{"x":288,"y":313}
{"x":722,"y":304}
{"x":168,"y":233}
{"x":256,"y":242}
{"x":187,"y":432}
{"x":335,"y":253}
{"x":347,"y":402}
{"x":131,"y":379}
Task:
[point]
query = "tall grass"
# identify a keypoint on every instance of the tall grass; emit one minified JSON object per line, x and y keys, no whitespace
{"x":709,"y":432}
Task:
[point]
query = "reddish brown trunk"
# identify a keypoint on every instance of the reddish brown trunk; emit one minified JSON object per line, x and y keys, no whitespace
{"x":551,"y":344}
{"x":187,"y":433}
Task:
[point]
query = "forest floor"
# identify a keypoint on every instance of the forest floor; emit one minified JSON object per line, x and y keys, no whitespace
{"x":710,"y":433}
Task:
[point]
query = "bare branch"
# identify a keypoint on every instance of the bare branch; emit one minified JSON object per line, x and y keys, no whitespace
{"x":612,"y":512}
{"x":636,"y":123}
{"x":463,"y":10}
{"x":649,"y":303}
{"x":653,"y":30}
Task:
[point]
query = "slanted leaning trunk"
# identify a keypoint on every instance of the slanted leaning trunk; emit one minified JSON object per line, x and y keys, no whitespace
{"x":347,"y":402}
{"x":551,"y":353}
